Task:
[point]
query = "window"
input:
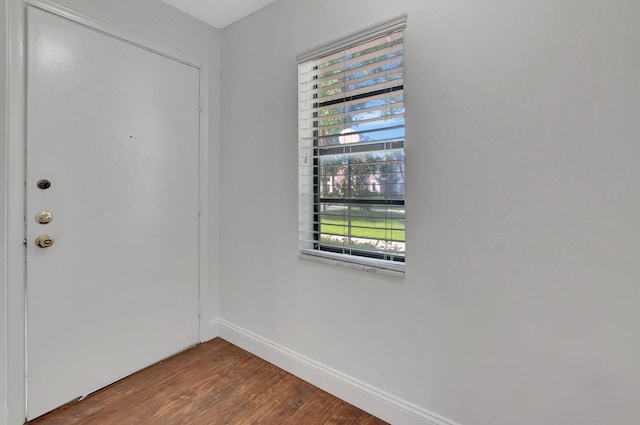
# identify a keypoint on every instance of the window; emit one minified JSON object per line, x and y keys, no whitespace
{"x":351,"y":148}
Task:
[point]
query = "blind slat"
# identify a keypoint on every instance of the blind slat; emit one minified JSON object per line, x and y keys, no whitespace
{"x":395,"y":81}
{"x":354,"y":66}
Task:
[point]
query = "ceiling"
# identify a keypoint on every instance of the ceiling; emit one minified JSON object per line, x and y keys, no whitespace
{"x":219,"y":13}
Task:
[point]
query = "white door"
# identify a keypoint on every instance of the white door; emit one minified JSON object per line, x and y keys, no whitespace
{"x":114,"y":129}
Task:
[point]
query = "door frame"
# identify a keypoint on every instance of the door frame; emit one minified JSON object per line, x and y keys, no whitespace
{"x":15,"y":272}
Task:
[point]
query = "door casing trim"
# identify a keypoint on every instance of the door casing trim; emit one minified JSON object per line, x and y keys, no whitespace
{"x":15,"y":261}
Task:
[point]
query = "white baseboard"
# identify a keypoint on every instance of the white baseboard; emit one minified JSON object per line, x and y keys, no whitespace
{"x":379,"y":403}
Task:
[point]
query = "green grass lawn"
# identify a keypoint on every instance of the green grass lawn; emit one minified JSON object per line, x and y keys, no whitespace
{"x":372,"y":226}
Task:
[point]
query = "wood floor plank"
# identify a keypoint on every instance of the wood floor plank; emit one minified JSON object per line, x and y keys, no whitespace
{"x":215,"y":383}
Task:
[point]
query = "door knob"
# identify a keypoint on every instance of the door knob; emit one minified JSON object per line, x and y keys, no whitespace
{"x":44,"y":241}
{"x":44,"y":217}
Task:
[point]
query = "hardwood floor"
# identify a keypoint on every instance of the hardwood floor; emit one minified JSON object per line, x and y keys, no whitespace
{"x":214,"y":383}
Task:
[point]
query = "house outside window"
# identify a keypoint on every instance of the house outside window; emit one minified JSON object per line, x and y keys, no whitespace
{"x":351,"y":148}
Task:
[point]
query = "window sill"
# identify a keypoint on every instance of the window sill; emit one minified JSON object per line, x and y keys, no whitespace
{"x":367,"y":265}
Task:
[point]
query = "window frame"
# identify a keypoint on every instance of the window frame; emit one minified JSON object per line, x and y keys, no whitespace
{"x":313,"y":245}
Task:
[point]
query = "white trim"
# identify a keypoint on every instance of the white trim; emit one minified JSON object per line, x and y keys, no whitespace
{"x":362,"y":395}
{"x":16,"y":403}
{"x":214,"y":328}
{"x":203,"y":208}
{"x":115,"y":32}
{"x":15,"y":168}
{"x":357,"y":263}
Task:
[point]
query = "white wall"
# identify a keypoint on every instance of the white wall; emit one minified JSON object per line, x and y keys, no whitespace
{"x":520,"y":301}
{"x":159,"y":23}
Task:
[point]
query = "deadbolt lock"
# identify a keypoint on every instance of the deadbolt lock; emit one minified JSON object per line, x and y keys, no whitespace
{"x":44,"y":241}
{"x":44,"y":217}
{"x":43,"y":184}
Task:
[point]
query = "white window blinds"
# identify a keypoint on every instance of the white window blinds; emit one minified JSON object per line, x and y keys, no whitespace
{"x":351,"y":148}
